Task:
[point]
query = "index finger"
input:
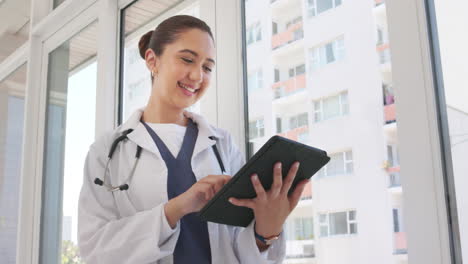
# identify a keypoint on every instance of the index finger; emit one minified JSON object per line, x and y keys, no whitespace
{"x":290,"y":178}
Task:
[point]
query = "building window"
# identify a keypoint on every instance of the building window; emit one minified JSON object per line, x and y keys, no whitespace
{"x":303,"y":228}
{"x":279,"y":125}
{"x":316,"y":7}
{"x":255,"y":80}
{"x":298,"y":121}
{"x":327,"y":53}
{"x":256,"y":129}
{"x":254,"y":33}
{"x":338,"y":223}
{"x":392,"y":156}
{"x":298,"y":70}
{"x":340,"y":163}
{"x":396,"y":221}
{"x":331,"y":107}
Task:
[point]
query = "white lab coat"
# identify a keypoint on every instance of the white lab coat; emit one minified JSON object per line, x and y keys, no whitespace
{"x":130,"y":226}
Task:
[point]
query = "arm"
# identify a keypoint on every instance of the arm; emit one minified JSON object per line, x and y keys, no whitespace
{"x":247,"y":248}
{"x":106,"y":237}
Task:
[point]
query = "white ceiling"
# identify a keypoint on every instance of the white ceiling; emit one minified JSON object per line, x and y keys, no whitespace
{"x":14,"y":25}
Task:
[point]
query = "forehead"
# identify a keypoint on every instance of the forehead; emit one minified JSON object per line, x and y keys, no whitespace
{"x":196,"y":40}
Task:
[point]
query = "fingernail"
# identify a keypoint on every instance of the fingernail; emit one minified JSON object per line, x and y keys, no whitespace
{"x":255,"y":177}
{"x":230,"y":200}
{"x":278,"y":165}
{"x":296,"y":165}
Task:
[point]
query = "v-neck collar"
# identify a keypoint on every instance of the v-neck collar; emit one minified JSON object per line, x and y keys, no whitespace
{"x":187,"y":147}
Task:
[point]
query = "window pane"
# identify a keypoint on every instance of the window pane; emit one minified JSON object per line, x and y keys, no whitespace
{"x":451,"y":29}
{"x":323,"y":5}
{"x":12,"y":92}
{"x":353,"y":119}
{"x":338,"y":223}
{"x":331,"y":107}
{"x":71,"y":83}
{"x":136,"y":81}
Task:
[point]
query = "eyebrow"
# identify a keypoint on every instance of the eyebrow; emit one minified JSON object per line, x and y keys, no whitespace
{"x":195,"y":54}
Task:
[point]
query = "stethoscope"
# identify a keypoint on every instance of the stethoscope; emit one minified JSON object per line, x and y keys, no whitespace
{"x":124,"y":186}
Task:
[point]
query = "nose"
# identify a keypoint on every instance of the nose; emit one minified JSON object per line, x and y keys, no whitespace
{"x":196,"y":74}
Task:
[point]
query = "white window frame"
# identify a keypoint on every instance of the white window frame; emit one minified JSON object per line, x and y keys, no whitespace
{"x":312,"y":8}
{"x":346,"y":161}
{"x":341,"y":102}
{"x":317,"y":61}
{"x":327,"y":223}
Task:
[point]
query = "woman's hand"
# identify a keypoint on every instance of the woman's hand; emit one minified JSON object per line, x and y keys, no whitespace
{"x":273,"y":207}
{"x":194,"y":198}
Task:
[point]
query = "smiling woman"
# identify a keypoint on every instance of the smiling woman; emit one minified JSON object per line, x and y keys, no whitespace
{"x":154,"y":210}
{"x":180,"y":56}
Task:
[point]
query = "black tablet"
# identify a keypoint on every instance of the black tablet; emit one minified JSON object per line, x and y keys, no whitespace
{"x":220,"y":210}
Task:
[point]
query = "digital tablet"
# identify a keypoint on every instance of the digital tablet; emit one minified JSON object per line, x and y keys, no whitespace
{"x":220,"y":210}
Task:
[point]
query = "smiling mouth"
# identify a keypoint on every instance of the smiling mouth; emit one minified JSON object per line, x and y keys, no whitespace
{"x":187,"y":88}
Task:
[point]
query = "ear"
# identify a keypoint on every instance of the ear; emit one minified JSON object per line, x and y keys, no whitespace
{"x":151,"y":60}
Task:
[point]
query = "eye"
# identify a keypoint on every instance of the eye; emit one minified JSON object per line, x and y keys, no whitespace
{"x":208,"y":69}
{"x":187,"y":60}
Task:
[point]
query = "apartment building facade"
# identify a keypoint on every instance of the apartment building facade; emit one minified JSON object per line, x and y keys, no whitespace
{"x":319,"y":72}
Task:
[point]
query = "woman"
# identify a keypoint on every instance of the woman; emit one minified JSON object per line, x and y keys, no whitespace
{"x":154,"y":219}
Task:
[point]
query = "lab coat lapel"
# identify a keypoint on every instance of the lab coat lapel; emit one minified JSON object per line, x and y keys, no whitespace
{"x":140,"y":135}
{"x":205,"y":131}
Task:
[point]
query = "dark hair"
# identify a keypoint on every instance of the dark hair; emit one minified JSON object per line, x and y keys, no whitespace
{"x":168,"y":31}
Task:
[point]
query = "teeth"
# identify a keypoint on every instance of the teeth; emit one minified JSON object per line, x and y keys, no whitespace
{"x":187,"y":88}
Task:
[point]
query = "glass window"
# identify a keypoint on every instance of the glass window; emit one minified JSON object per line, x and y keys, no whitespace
{"x":12,"y":94}
{"x":316,"y":7}
{"x":69,"y":131}
{"x":255,"y":80}
{"x":139,"y":18}
{"x":338,"y":223}
{"x":451,"y":23}
{"x":340,"y":89}
{"x":254,"y":33}
{"x":331,"y":107}
{"x":257,"y":129}
{"x":303,"y":228}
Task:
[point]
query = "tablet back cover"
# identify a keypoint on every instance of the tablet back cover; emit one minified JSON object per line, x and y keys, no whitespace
{"x":220,"y":210}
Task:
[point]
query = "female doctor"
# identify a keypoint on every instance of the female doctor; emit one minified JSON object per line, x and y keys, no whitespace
{"x":167,"y":170}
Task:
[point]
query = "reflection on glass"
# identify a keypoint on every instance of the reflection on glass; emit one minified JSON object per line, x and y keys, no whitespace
{"x":12,"y":92}
{"x":70,"y":125}
{"x":316,"y":78}
{"x":451,"y":27}
{"x":139,"y":18}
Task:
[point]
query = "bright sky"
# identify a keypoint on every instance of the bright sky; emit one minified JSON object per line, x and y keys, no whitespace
{"x":81,"y":111}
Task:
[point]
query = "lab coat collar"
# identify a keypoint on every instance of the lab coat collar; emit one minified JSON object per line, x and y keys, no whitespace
{"x":142,"y":138}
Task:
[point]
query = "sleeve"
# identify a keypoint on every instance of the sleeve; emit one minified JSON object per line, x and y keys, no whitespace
{"x":245,"y":246}
{"x":105,"y":237}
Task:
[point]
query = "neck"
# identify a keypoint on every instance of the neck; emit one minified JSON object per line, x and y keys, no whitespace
{"x":157,"y":112}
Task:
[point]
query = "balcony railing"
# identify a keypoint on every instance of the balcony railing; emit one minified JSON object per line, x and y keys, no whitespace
{"x":294,"y":133}
{"x":377,"y":2}
{"x":307,"y":193}
{"x":292,"y":33}
{"x":389,"y":113}
{"x":298,"y":256}
{"x":384,"y":53}
{"x":290,"y":86}
{"x":400,"y":245}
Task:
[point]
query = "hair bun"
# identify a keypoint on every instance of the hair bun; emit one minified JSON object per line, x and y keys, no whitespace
{"x":144,"y":42}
